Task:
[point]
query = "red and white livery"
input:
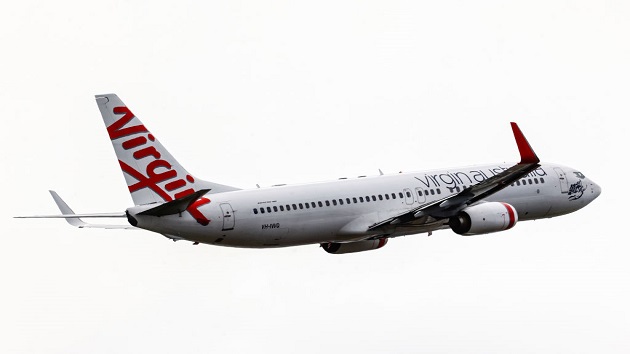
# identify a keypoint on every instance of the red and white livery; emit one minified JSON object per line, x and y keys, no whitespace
{"x":343,"y":216}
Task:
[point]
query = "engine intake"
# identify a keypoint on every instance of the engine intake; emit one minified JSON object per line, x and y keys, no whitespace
{"x":484,"y":219}
{"x":351,"y":247}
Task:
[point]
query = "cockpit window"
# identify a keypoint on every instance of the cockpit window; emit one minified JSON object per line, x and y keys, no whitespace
{"x":579,"y":175}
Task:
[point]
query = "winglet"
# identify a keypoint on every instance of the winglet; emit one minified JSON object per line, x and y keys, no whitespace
{"x":527,"y":153}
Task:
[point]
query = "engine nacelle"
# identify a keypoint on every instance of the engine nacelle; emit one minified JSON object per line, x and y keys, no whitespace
{"x":484,"y":219}
{"x":351,"y":247}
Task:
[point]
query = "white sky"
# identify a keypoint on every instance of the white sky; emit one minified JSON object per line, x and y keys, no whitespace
{"x":246,"y":92}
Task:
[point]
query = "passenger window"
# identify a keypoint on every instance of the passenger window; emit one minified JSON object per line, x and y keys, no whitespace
{"x":255,"y":211}
{"x":320,"y":204}
{"x":400,"y":195}
{"x":536,"y":180}
{"x":367,"y":198}
{"x":340,"y":201}
{"x":294,"y":207}
{"x":334,"y":201}
{"x":393,"y":195}
{"x":432,"y":192}
{"x":288,"y":207}
{"x":307,"y":205}
{"x":380,"y":197}
{"x":373,"y":198}
{"x":387,"y":196}
{"x":542,"y":180}
{"x":327,"y":203}
{"x":281,"y":207}
{"x":408,"y":195}
{"x":439,"y":191}
{"x":301,"y":206}
{"x":354,"y":200}
{"x":348,"y":200}
{"x":269,"y":209}
{"x":361,"y":199}
{"x":262,"y":210}
{"x":275,"y":208}
{"x":426,"y":192}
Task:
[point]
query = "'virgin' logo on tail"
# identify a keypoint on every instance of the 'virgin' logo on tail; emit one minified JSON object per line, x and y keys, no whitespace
{"x":157,"y":170}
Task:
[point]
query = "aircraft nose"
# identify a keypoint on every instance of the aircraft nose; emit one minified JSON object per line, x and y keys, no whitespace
{"x":596,"y":189}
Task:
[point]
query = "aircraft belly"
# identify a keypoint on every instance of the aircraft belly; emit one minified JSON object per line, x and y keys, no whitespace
{"x":268,"y":232}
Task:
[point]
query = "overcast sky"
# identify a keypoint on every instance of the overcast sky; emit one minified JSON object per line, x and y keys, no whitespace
{"x":268,"y":92}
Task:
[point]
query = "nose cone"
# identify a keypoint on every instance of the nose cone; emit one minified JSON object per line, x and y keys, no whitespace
{"x":596,"y":190}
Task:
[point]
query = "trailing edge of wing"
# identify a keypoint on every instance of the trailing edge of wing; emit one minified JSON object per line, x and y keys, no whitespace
{"x":452,"y":204}
{"x":75,"y":219}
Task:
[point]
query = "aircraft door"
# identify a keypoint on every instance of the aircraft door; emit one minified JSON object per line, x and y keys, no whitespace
{"x":408,"y":196}
{"x":564,"y":183}
{"x":228,"y":216}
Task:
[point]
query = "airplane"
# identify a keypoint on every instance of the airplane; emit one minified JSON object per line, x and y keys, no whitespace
{"x":342,"y":216}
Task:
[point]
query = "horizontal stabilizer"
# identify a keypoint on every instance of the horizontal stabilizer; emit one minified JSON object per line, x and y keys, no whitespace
{"x":176,"y":206}
{"x":75,"y":216}
{"x":75,"y":219}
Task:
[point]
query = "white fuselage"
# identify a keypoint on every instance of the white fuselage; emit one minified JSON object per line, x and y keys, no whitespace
{"x":339,"y":211}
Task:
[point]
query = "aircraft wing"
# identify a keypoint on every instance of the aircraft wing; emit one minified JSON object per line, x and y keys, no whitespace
{"x":453,"y":204}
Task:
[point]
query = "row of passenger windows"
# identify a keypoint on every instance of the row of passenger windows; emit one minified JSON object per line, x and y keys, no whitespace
{"x":333,"y":202}
{"x":373,"y":198}
{"x":430,"y":191}
{"x":528,"y":181}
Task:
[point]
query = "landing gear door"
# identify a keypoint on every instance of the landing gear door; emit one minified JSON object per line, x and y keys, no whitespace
{"x":228,"y":216}
{"x":564,"y":183}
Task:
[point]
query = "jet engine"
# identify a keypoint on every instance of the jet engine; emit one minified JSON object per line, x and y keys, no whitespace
{"x":484,"y":219}
{"x":351,"y":247}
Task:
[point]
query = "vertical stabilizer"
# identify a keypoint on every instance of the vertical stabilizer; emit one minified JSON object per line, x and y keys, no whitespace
{"x":151,"y":172}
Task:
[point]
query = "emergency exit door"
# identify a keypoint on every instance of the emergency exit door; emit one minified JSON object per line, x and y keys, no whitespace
{"x":228,"y":217}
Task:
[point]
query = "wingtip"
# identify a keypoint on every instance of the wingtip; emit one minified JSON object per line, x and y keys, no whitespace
{"x":527,"y":153}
